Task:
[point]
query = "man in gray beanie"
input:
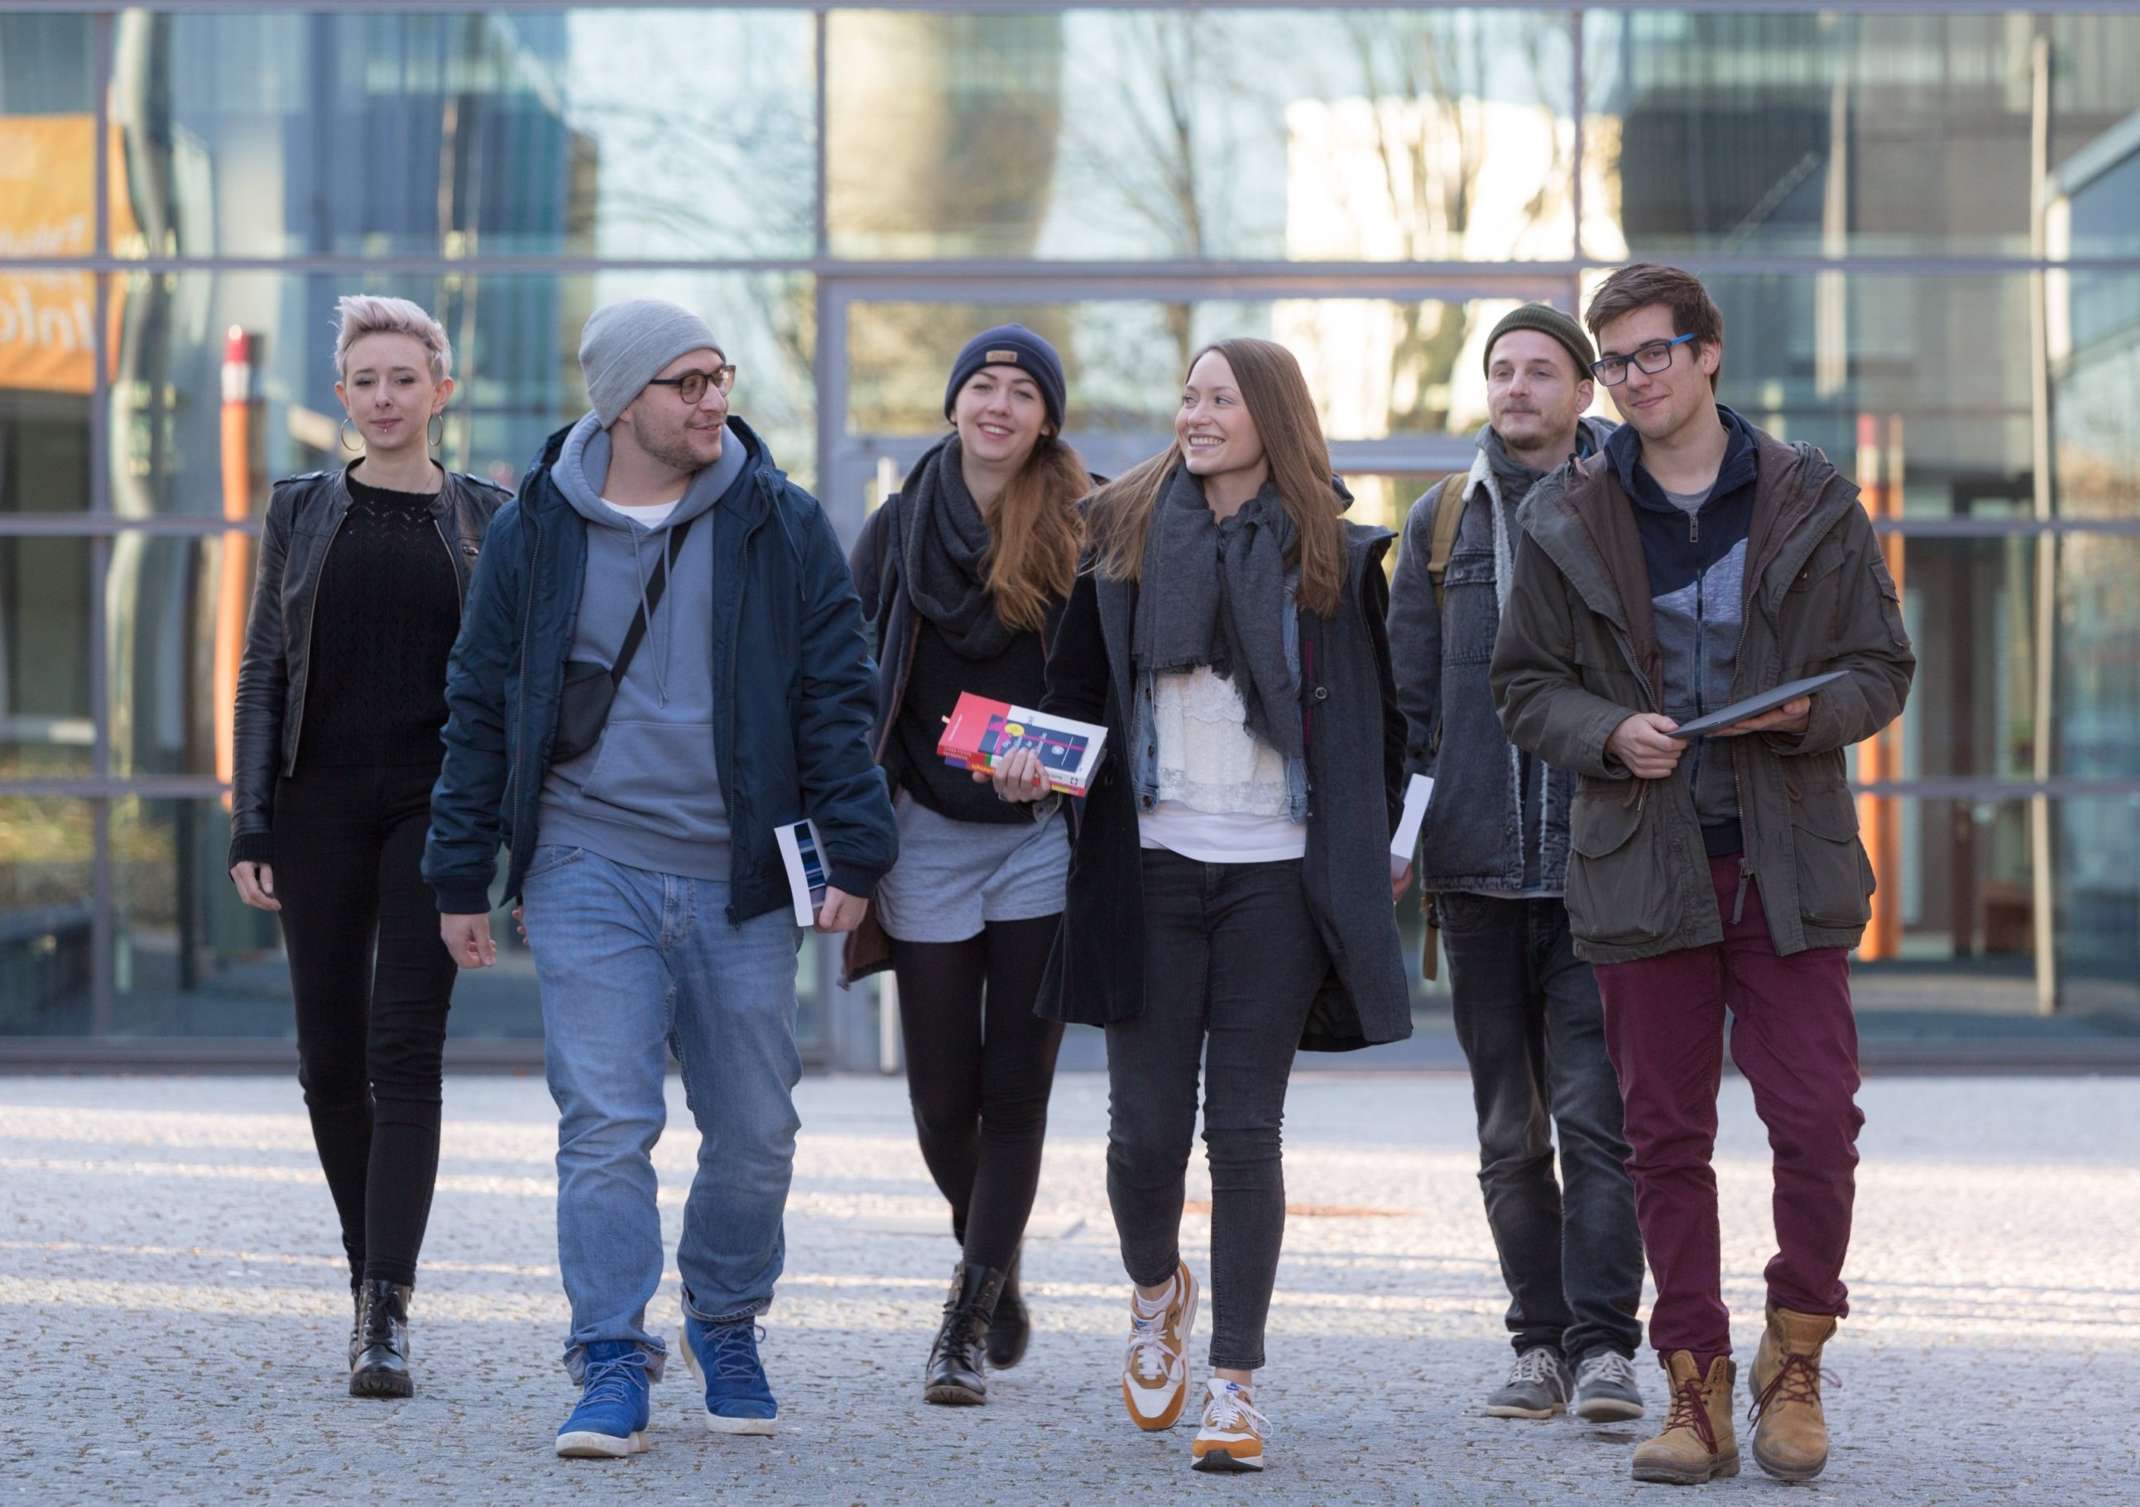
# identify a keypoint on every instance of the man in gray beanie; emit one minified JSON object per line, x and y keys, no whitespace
{"x":1494,"y":857}
{"x":662,"y":663}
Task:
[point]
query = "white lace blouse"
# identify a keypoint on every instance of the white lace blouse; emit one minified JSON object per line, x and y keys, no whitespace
{"x":1222,"y":790}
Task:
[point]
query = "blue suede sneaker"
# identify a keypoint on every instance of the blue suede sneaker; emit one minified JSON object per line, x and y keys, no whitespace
{"x":613,"y":1414}
{"x":725,"y":1358}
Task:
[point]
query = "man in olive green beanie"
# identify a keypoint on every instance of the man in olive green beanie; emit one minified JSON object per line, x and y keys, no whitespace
{"x":1549,"y":321}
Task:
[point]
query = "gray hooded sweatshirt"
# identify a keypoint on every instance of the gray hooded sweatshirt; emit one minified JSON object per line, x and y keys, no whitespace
{"x":649,"y":793}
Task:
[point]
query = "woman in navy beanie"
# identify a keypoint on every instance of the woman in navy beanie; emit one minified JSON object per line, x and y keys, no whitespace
{"x":963,"y":573}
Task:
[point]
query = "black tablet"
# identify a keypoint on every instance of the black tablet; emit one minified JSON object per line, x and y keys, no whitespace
{"x":1754,"y":706}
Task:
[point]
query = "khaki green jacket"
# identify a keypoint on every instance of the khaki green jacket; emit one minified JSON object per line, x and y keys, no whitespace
{"x":1576,"y":656}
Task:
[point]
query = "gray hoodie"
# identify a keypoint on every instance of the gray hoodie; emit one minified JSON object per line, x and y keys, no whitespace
{"x":648,"y":794}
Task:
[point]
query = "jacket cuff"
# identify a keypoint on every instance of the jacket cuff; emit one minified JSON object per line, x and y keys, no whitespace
{"x":251,"y":847}
{"x":850,"y":880}
{"x":462,"y":900}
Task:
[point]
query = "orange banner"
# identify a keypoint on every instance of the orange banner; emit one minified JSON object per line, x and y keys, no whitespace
{"x":48,"y":209}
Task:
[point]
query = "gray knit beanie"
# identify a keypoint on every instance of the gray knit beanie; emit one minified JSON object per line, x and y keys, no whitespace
{"x":625,"y":346}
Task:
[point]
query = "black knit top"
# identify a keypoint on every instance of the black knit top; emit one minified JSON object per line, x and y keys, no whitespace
{"x":389,"y":608}
{"x":939,"y":672}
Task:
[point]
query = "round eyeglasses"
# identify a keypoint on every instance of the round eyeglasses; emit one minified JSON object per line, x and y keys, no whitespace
{"x":691,"y":386}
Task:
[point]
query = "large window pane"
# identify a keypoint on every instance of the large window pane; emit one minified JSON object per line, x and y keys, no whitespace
{"x":1312,"y":134}
{"x":47,"y":209}
{"x":190,"y":959}
{"x":1952,"y":926}
{"x":2094,"y":340}
{"x":1376,"y":367}
{"x":175,"y":614}
{"x":1808,"y":133}
{"x":2095,"y":713}
{"x":46,"y":851}
{"x":2098,"y":890}
{"x":45,"y":719}
{"x":516,"y":341}
{"x":586,"y":133}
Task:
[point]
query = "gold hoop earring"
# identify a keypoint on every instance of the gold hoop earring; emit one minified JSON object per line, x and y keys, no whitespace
{"x":341,"y":432}
{"x":438,"y":442}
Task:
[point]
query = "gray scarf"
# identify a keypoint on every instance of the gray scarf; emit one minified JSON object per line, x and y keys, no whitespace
{"x":946,"y":553}
{"x":1213,"y":593}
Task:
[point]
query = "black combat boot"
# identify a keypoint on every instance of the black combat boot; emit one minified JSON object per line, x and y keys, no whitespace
{"x":381,"y":1368}
{"x":958,"y":1364}
{"x":1009,"y":1330}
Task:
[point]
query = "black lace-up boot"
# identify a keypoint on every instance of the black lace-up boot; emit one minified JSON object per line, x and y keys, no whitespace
{"x":381,"y":1368}
{"x":958,"y":1363}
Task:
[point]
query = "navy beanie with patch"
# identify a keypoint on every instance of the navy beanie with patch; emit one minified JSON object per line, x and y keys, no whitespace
{"x":1012,"y":345}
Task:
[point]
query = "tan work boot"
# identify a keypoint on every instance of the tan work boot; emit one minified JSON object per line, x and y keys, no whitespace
{"x":1790,"y":1433}
{"x":1697,"y":1444}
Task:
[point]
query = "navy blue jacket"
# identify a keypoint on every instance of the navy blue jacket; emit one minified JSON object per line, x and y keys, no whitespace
{"x":793,"y":690}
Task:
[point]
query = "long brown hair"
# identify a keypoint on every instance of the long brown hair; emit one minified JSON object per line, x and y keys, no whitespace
{"x":1278,"y":401}
{"x":1036,"y":534}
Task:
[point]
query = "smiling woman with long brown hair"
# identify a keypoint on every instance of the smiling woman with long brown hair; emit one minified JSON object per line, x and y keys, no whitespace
{"x":962,"y":572}
{"x":1229,"y":902}
{"x":341,"y":698}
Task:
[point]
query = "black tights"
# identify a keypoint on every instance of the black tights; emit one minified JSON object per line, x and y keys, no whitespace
{"x":372,"y":982}
{"x":980,"y":1065}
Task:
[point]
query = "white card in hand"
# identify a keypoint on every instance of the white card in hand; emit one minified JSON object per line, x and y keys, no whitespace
{"x":1416,"y":796}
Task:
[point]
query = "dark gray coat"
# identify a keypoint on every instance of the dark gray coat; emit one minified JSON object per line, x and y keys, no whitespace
{"x":1355,"y":753}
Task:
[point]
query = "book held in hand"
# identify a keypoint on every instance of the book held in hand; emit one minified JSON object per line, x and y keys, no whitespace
{"x":804,"y":859}
{"x":981,"y":733}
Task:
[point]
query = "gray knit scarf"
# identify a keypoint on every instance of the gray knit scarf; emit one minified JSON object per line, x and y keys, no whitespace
{"x":946,"y":555}
{"x":1214,"y":593}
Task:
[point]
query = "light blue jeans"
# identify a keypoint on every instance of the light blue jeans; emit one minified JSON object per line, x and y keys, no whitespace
{"x":634,"y":965}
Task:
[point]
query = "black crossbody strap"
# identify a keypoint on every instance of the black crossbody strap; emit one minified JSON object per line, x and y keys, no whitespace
{"x":635,"y":634}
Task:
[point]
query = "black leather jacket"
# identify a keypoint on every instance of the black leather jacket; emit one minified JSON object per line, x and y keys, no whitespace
{"x":303,"y":517}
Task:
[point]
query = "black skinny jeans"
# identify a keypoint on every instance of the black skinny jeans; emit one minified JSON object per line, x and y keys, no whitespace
{"x":1528,"y":1017}
{"x":372,"y":981}
{"x":1232,"y":961}
{"x":980,"y":1067}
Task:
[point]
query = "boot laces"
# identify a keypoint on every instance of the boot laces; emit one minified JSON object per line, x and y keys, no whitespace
{"x":614,"y":1381}
{"x":1690,"y":1410}
{"x":1798,"y":1379}
{"x":1538,"y":1364}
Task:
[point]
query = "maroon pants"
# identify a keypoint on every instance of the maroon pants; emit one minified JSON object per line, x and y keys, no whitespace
{"x":1796,"y":1043}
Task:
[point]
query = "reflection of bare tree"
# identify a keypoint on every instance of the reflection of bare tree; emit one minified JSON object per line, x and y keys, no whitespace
{"x":1432,"y":156}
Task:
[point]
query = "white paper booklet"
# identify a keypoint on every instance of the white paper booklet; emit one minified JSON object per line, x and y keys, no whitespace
{"x":1416,"y":796}
{"x":804,"y":859}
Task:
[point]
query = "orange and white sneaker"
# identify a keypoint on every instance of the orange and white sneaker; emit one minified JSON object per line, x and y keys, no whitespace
{"x":1232,"y":1435}
{"x":1155,"y":1368}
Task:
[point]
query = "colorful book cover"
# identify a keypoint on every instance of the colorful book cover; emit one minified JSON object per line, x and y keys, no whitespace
{"x":981,"y":733}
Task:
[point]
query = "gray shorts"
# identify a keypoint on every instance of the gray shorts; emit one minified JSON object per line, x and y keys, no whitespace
{"x":955,"y":877}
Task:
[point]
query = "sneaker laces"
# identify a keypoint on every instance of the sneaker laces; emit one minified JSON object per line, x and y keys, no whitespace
{"x":1228,"y":1409}
{"x":1538,"y":1364}
{"x":1798,"y":1379}
{"x":611,"y":1381}
{"x":1150,"y":1356}
{"x":1606,"y":1366}
{"x":1690,"y":1410}
{"x":732,"y":1351}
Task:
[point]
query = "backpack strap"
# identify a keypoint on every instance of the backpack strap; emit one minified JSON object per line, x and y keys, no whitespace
{"x":1448,"y":516}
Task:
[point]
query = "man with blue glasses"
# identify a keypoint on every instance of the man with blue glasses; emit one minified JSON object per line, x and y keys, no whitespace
{"x":1697,"y":562}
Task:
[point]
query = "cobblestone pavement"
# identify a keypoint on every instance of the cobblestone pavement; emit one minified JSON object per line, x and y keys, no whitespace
{"x":169,"y":1282}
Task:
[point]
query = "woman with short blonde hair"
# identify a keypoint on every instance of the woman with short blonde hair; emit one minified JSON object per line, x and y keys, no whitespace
{"x":341,"y":699}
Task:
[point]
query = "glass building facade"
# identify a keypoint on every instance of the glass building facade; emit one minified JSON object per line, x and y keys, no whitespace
{"x":1923,"y":227}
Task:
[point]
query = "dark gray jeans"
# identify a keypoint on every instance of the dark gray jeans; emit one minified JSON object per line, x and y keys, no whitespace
{"x":1529,"y":1020}
{"x":1232,"y":960}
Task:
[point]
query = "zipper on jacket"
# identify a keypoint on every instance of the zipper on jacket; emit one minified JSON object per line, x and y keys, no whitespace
{"x":1694,"y":528}
{"x":1746,"y":876}
{"x":453,"y":560}
{"x":312,"y":617}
